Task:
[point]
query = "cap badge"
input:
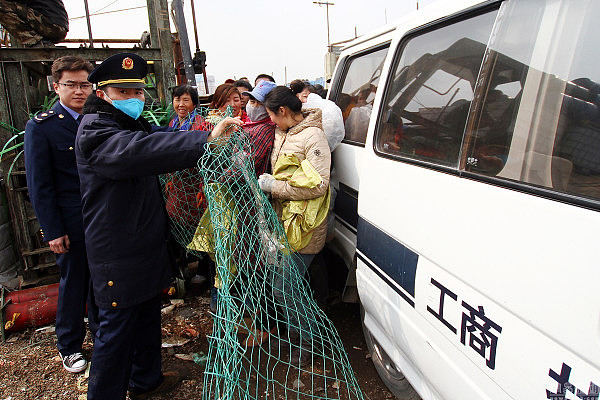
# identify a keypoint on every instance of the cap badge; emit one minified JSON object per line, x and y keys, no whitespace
{"x":127,"y":63}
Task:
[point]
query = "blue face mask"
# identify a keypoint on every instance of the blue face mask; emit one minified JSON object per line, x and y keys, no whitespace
{"x":131,"y":107}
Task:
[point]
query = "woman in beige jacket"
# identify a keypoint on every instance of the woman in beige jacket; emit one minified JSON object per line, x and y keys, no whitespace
{"x":299,"y":137}
{"x":300,"y":133}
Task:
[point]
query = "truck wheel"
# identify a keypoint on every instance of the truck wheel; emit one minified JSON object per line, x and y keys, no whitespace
{"x":392,"y":377}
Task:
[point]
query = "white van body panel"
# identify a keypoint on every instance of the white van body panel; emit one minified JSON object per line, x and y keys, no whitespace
{"x":529,"y":337}
{"x":536,"y":277}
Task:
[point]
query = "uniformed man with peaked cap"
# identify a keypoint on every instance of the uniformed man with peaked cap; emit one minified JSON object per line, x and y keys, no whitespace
{"x":119,"y":155}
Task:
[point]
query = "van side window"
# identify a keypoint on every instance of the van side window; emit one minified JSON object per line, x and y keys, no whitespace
{"x":430,"y":90}
{"x":358,"y":87}
{"x":539,"y":121}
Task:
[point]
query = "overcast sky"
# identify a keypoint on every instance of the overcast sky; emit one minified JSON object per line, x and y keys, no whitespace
{"x":245,"y":38}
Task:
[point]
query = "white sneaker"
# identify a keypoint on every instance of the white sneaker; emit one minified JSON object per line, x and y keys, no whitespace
{"x":74,"y":362}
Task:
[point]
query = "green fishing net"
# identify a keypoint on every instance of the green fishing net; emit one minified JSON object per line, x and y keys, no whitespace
{"x":270,"y":340}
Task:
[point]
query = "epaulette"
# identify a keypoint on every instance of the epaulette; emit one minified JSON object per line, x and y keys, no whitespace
{"x":42,"y":116}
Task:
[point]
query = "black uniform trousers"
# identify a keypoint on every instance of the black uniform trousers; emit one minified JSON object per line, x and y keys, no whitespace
{"x":126,"y":351}
{"x":74,"y":292}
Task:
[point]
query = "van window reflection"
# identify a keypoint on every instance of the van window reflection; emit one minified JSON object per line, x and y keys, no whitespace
{"x":580,"y":139}
{"x":357,"y":94}
{"x":546,"y":131}
{"x":427,"y":105}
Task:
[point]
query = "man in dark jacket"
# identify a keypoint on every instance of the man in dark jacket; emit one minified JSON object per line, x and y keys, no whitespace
{"x":35,"y":22}
{"x":119,"y":155}
{"x":53,"y":185}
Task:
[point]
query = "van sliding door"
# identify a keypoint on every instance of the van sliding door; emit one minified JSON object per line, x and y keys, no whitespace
{"x":354,"y":92}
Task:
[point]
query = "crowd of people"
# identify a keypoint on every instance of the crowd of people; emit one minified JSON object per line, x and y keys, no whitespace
{"x":92,"y":167}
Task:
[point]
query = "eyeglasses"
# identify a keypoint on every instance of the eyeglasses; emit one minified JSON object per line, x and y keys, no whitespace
{"x":75,"y":85}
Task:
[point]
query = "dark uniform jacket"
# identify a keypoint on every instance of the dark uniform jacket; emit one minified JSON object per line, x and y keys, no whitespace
{"x":52,"y":178}
{"x":124,"y":216}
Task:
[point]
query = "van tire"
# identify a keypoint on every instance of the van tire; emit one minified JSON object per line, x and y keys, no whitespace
{"x":396,"y":382}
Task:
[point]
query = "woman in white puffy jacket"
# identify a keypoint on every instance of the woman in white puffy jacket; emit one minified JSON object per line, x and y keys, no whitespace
{"x":332,"y":121}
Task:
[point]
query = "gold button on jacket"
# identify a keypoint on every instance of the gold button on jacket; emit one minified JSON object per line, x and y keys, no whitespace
{"x":114,"y":304}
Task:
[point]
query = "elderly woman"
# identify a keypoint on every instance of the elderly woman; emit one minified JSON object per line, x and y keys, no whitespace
{"x":184,"y":198}
{"x":185,"y":101}
{"x":229,"y":95}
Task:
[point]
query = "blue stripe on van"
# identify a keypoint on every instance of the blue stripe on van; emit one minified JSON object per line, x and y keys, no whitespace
{"x":387,"y":280}
{"x":346,"y":206}
{"x":390,"y":256}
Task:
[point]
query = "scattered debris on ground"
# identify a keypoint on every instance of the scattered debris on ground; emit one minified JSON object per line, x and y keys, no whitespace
{"x":30,"y":367}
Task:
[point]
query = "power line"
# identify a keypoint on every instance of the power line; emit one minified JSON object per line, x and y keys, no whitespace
{"x":108,"y":12}
{"x":105,"y":7}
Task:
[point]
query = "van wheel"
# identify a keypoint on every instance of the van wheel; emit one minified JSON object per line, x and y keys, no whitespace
{"x":392,"y":377}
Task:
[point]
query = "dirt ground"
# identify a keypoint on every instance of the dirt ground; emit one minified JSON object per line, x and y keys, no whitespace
{"x":30,"y":367}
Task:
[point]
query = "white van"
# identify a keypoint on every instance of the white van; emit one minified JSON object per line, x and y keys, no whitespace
{"x":468,"y":198}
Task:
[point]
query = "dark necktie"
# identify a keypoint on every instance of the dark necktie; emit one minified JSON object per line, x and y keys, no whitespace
{"x":79,"y":119}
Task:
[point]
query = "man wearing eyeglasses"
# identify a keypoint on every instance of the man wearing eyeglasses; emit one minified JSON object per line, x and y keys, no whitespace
{"x":53,"y":184}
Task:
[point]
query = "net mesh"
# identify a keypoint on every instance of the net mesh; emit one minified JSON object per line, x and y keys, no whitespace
{"x":270,"y":340}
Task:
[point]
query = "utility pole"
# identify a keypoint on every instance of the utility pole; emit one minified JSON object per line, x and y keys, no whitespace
{"x":177,"y":5}
{"x":326,"y":4}
{"x":89,"y":26}
{"x":197,"y":53}
{"x":195,"y":29}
